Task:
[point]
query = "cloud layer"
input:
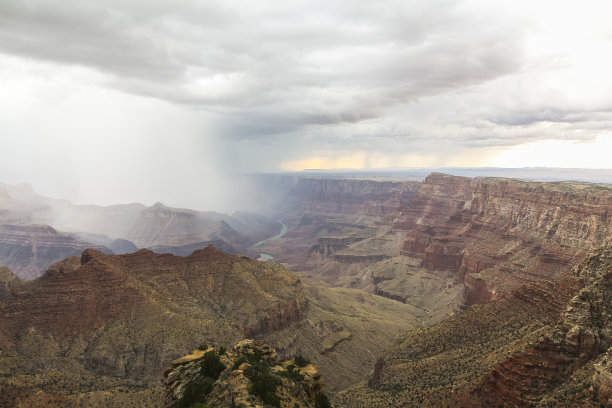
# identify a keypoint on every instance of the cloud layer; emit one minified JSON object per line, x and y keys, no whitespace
{"x":262,"y":84}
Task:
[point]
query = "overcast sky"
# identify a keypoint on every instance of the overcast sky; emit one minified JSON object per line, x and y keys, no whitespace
{"x":144,"y":100}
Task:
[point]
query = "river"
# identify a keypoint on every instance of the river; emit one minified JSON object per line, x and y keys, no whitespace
{"x":267,"y":257}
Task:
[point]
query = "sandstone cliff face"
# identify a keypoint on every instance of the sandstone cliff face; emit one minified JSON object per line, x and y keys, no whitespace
{"x":29,"y":249}
{"x":497,"y":234}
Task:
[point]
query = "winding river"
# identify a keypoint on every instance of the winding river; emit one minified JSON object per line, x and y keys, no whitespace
{"x":268,"y":257}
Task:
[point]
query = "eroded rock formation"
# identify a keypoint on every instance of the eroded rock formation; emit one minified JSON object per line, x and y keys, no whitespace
{"x":497,"y":234}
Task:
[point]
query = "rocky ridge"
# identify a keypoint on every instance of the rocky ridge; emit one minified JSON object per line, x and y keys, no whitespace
{"x":120,"y":319}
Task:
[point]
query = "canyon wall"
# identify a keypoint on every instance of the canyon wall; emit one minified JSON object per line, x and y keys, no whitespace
{"x":497,"y":234}
{"x":349,"y":196}
{"x":547,"y":343}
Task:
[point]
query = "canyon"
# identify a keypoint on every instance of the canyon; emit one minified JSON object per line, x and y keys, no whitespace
{"x":450,"y":291}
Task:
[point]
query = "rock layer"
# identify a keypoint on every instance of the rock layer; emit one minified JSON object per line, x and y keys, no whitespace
{"x":497,"y":234}
{"x":546,"y":344}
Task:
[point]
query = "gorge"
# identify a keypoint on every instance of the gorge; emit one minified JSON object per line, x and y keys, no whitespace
{"x":435,"y":292}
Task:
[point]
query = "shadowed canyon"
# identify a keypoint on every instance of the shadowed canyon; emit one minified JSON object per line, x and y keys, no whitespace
{"x":442,"y":291}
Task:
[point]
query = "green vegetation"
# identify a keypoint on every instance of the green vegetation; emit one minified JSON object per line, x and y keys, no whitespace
{"x":195,"y":391}
{"x":322,"y":402}
{"x":211,"y":366}
{"x":301,"y":361}
{"x":292,"y":374}
{"x":264,"y":383}
{"x":203,"y":347}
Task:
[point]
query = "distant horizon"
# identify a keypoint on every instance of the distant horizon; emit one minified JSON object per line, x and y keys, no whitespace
{"x":231,"y":203}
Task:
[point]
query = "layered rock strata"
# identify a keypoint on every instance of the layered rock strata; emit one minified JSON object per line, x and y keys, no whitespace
{"x":546,"y":344}
{"x":497,"y":234}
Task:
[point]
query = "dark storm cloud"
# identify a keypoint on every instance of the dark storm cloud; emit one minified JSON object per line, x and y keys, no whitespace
{"x":272,"y":70}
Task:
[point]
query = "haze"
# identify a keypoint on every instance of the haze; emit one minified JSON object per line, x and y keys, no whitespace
{"x":112,"y":102}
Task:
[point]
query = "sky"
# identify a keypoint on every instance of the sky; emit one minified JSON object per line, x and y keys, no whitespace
{"x":112,"y":101}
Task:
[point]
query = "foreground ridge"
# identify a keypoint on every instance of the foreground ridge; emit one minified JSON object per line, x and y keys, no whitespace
{"x":249,"y":375}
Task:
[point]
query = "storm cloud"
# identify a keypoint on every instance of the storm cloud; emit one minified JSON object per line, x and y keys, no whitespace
{"x":261,"y":84}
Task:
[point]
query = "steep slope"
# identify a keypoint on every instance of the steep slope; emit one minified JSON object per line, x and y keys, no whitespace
{"x":497,"y":234}
{"x":29,"y":249}
{"x":543,"y":345}
{"x":343,"y":331}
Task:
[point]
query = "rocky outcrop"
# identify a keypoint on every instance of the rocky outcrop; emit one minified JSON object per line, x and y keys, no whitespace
{"x":28,"y":250}
{"x":328,"y":245}
{"x":288,"y":383}
{"x":497,"y":234}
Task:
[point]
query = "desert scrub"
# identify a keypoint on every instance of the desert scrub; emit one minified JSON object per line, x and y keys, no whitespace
{"x":263,"y":383}
{"x":195,"y":391}
{"x":301,"y":361}
{"x":292,"y":374}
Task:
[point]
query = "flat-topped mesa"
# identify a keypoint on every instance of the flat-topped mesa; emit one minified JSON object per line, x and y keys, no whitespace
{"x":497,"y":234}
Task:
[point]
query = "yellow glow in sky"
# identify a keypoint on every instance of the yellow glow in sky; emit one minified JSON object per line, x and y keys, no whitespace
{"x":596,"y":154}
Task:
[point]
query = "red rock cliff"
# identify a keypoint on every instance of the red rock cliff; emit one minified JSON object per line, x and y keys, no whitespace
{"x":497,"y":234}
